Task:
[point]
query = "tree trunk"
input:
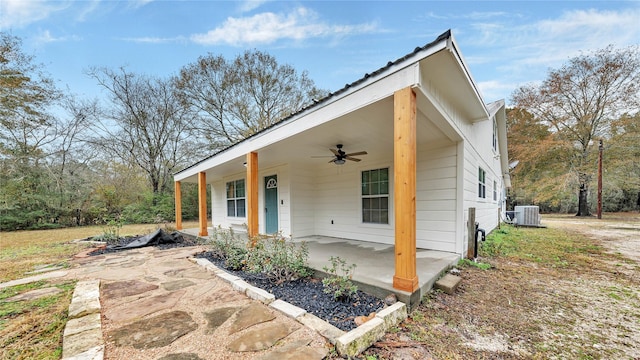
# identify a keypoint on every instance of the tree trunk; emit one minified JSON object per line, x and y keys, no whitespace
{"x":583,"y":204}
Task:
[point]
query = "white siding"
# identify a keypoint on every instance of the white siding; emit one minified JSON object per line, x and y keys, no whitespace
{"x":436,"y":198}
{"x":302,"y":201}
{"x":219,"y":201}
{"x":479,"y":152}
{"x":338,"y":199}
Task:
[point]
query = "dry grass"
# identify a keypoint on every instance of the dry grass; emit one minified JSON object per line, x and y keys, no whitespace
{"x":22,"y":251}
{"x":33,"y":329}
{"x":550,"y":294}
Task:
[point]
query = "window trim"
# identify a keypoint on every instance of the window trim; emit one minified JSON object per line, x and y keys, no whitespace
{"x":386,"y":196}
{"x":495,"y":135}
{"x":482,"y":183}
{"x":236,"y":198}
{"x":495,"y":190}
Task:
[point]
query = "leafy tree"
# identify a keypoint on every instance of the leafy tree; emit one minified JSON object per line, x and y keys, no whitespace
{"x":26,"y":128}
{"x":232,"y":100}
{"x":539,"y":175}
{"x":622,"y":164}
{"x":579,"y":101}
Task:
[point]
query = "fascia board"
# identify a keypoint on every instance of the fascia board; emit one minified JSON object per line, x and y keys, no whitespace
{"x":452,"y":45}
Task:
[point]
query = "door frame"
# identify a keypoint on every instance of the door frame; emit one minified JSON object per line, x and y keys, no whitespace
{"x":277,"y":207}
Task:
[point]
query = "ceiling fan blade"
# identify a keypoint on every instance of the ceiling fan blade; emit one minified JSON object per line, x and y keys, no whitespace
{"x":352,"y":158}
{"x":322,"y":156}
{"x":357,"y":153}
{"x":332,"y":160}
{"x":335,"y":152}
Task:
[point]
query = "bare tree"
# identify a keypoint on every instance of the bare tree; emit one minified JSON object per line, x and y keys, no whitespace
{"x":233,"y":100}
{"x":580,"y":100}
{"x":144,"y":124}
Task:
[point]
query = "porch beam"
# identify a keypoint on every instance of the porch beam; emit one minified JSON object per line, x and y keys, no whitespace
{"x":404,"y":174}
{"x":252,"y":194}
{"x":178,"y":200}
{"x":202,"y":203}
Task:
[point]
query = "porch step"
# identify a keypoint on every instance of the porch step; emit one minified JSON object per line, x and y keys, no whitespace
{"x":448,"y":283}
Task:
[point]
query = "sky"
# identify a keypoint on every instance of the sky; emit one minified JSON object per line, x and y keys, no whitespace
{"x":506,"y":44}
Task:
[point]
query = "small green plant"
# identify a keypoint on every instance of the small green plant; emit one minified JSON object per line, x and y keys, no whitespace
{"x":110,"y":230}
{"x":225,"y":245}
{"x":339,"y":281}
{"x":471,"y":263}
{"x":278,"y":259}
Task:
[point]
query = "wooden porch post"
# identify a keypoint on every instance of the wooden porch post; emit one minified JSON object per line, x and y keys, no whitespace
{"x":178,"y":196}
{"x":404,"y":174}
{"x":202,"y":203}
{"x":252,"y":194}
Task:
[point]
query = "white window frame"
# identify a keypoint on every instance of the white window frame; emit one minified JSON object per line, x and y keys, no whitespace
{"x":495,"y":190}
{"x":376,"y":195}
{"x":482,"y":183}
{"x":236,"y":198}
{"x":495,"y":135}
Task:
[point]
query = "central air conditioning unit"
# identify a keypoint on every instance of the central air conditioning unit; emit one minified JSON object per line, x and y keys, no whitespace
{"x":527,"y":215}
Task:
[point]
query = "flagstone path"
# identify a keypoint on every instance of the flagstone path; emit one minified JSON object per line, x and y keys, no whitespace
{"x":156,"y":304}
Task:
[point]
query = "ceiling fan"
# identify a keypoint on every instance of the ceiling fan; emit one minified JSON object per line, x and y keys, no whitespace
{"x":340,"y":156}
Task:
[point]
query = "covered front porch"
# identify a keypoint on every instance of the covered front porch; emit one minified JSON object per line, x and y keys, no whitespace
{"x":374,"y":264}
{"x":404,"y":192}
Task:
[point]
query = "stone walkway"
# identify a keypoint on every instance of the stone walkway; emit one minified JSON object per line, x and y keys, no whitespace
{"x":156,"y":304}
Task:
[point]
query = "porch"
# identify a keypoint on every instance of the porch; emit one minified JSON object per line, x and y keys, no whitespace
{"x":375,"y":265}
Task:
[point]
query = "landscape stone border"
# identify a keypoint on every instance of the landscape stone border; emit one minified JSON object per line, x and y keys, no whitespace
{"x":349,"y":343}
{"x":82,"y":338}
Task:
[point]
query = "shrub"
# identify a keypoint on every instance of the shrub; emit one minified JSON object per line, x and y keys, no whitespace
{"x":278,"y":259}
{"x":110,"y":231}
{"x":225,"y":245}
{"x":339,"y":282}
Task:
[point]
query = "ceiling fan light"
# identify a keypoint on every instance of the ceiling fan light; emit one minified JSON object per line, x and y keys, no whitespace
{"x":339,"y":161}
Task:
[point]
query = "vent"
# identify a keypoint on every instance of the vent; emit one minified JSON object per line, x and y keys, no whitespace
{"x":527,"y":215}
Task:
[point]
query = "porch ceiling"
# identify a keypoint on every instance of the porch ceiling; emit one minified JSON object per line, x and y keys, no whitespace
{"x":369,"y":128}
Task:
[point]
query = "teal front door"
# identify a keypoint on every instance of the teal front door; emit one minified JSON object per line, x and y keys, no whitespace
{"x":271,"y":204}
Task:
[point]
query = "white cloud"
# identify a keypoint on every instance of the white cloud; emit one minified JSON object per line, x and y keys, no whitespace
{"x":90,"y":7}
{"x":551,"y":42}
{"x":248,"y":5}
{"x":140,"y":3}
{"x":495,"y":89}
{"x":20,"y":13}
{"x":156,"y":40}
{"x":522,"y":53}
{"x":47,"y":37}
{"x":268,"y":27}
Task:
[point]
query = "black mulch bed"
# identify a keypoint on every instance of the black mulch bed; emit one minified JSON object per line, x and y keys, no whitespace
{"x":308,"y":294}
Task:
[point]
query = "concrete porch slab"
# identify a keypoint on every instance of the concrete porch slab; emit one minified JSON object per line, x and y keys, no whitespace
{"x":375,"y":264}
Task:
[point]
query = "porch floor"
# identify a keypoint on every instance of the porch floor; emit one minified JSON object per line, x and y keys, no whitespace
{"x":375,"y":264}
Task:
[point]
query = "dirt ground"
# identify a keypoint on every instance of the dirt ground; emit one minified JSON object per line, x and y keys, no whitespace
{"x":581,"y":304}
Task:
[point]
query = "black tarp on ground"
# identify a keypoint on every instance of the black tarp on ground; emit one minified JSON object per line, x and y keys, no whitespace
{"x":156,"y":238}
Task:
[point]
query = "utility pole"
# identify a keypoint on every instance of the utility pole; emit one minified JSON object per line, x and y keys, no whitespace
{"x":600,"y":147}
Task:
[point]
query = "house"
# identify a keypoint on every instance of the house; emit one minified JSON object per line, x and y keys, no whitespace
{"x":433,"y":148}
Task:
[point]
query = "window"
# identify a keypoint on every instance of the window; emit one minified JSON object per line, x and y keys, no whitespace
{"x":482,"y":187}
{"x":495,"y":135}
{"x":495,"y":191}
{"x":235,"y":198}
{"x":375,"y":196}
